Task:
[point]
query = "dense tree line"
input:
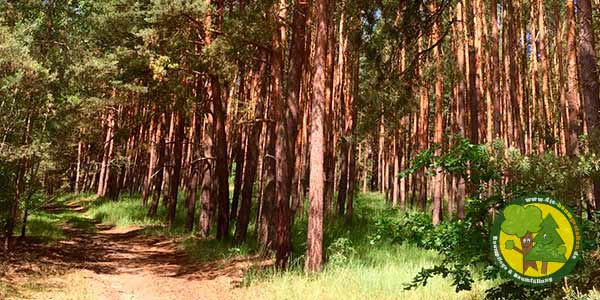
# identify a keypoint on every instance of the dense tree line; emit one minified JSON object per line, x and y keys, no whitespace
{"x":285,"y":100}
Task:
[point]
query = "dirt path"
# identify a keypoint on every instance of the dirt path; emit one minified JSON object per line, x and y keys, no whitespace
{"x":122,"y":264}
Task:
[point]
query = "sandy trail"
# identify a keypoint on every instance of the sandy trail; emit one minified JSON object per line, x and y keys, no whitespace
{"x":121,"y":264}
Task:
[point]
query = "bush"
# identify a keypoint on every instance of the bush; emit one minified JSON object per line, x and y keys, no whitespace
{"x":464,"y":243}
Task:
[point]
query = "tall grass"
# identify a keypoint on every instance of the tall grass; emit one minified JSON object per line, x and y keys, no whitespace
{"x":357,"y":267}
{"x":378,"y":274}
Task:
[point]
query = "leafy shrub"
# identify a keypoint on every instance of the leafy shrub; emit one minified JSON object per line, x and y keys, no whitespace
{"x":464,"y":243}
{"x":340,"y":251}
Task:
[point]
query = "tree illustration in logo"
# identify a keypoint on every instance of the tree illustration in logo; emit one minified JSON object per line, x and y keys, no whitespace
{"x":522,"y":222}
{"x":549,"y":246}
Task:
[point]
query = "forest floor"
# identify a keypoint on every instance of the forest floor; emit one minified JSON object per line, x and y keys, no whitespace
{"x":85,"y":249}
{"x":100,"y":261}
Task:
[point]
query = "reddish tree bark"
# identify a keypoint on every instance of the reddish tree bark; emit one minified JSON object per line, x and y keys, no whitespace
{"x":590,"y":85}
{"x":314,"y":251}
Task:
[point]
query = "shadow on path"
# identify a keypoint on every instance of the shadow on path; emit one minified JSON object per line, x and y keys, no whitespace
{"x":125,"y":257}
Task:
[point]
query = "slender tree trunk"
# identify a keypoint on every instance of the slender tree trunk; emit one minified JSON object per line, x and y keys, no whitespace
{"x":574,"y":112}
{"x":153,"y":149}
{"x":221,"y":170}
{"x":207,"y":200}
{"x":461,"y":50}
{"x":560,"y":74}
{"x":11,"y":218}
{"x":423,"y":142}
{"x":314,"y":251}
{"x":351,"y":123}
{"x":283,"y":168}
{"x":239,"y":171}
{"x":438,"y":180}
{"x":159,"y":170}
{"x":343,"y":181}
{"x":194,"y":168}
{"x":107,"y":156}
{"x":547,"y":98}
{"x":396,"y":166}
{"x":474,"y":67}
{"x":590,"y":85}
{"x":251,"y":164}
{"x":495,"y":71}
{"x":191,"y":200}
{"x":79,"y":166}
{"x":267,"y":232}
{"x":330,"y":116}
{"x":175,"y":177}
{"x":297,"y":61}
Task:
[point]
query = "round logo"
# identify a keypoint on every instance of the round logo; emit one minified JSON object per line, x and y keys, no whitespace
{"x":536,"y":240}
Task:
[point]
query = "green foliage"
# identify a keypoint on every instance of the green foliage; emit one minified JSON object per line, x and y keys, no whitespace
{"x":518,"y":220}
{"x":549,"y":246}
{"x":464,"y":243}
{"x":340,"y":251}
{"x":474,"y":163}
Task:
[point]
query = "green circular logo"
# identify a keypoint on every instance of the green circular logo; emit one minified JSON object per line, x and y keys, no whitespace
{"x":535,"y":240}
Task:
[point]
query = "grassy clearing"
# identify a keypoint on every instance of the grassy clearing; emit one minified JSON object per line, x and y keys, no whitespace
{"x":380,"y":274}
{"x":357,"y":268}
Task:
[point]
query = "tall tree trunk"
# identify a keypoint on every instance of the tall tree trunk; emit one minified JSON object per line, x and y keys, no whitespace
{"x":221,"y":169}
{"x":351,"y":123}
{"x":547,"y":98}
{"x":107,"y":155}
{"x":175,"y":177}
{"x":194,"y":168}
{"x":537,"y":114}
{"x":240,"y":160}
{"x":330,"y":125}
{"x":314,"y":251}
{"x":159,"y":170}
{"x":515,"y":89}
{"x":79,"y":166}
{"x":207,"y":200}
{"x":153,"y":149}
{"x":560,"y":72}
{"x":495,"y":71}
{"x":590,"y":86}
{"x":11,"y":218}
{"x":474,"y":67}
{"x":267,"y":233}
{"x":283,"y":175}
{"x":574,"y":112}
{"x":461,"y":121}
{"x":297,"y":57}
{"x":438,"y":128}
{"x":251,"y":164}
{"x":423,"y":141}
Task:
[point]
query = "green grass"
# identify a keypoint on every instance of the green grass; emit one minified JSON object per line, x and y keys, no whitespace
{"x":47,"y":224}
{"x":356,"y":267}
{"x":212,"y":250}
{"x":378,"y":274}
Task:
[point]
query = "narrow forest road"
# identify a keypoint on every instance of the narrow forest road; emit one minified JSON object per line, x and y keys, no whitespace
{"x":121,"y":264}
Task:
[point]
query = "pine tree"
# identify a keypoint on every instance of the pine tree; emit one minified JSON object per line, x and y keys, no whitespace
{"x":549,"y":246}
